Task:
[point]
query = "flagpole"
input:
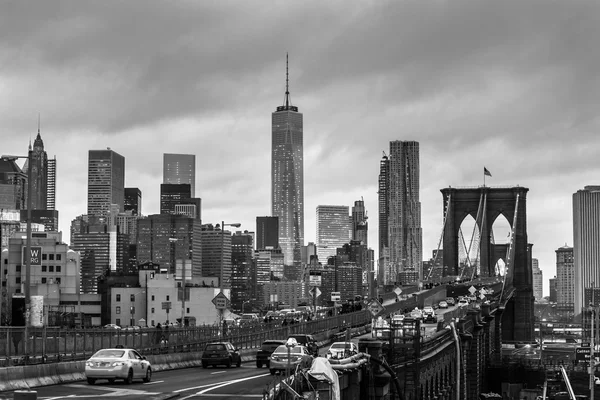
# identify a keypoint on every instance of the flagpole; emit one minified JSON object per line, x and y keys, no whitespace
{"x":483,"y":176}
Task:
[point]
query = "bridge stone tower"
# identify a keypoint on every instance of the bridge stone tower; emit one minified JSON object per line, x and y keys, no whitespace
{"x":490,"y":203}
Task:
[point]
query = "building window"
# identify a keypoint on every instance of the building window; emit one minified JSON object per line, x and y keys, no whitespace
{"x":57,"y":280}
{"x":44,"y":256}
{"x":58,"y":268}
{"x":51,"y":256}
{"x":18,"y":290}
{"x":152,"y":297}
{"x":152,"y":324}
{"x":152,"y":312}
{"x":18,"y":268}
{"x":187,"y":310}
{"x":132,"y":297}
{"x":44,"y":280}
{"x":118,"y":310}
{"x":118,"y":321}
{"x":18,"y":280}
{"x":58,"y":257}
{"x":44,"y":268}
{"x":5,"y":272}
{"x":6,"y":261}
{"x":50,"y":268}
{"x":3,"y":283}
{"x":118,"y":297}
{"x":168,"y":297}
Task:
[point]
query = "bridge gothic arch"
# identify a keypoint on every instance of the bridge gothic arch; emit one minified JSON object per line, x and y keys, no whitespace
{"x":488,"y":203}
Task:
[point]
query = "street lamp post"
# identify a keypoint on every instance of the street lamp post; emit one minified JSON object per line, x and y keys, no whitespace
{"x":27,"y":245}
{"x":221,"y":282}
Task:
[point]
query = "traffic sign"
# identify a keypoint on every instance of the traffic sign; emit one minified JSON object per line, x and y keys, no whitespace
{"x":166,"y":305}
{"x":472,"y":290}
{"x":398,"y":291}
{"x":220,"y":301}
{"x":375,"y":307}
{"x":315,"y":292}
{"x":336,"y":296}
{"x":482,"y":296}
{"x":583,"y":353}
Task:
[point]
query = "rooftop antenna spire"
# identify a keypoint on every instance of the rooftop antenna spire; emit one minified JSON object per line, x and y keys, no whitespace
{"x":38,"y":123}
{"x":287,"y":101}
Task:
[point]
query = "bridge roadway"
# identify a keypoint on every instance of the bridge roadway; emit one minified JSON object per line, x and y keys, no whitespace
{"x":191,"y":383}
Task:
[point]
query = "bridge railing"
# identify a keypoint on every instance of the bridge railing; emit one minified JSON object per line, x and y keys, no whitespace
{"x":50,"y":344}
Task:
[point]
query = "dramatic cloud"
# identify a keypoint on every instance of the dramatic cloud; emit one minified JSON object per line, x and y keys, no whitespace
{"x":512,"y":85}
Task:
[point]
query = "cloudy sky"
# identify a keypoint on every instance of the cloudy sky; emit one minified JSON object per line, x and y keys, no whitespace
{"x":510,"y":85}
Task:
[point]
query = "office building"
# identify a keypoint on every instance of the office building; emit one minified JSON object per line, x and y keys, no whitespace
{"x":287,"y":177}
{"x":102,"y":248}
{"x":565,"y":282}
{"x":267,"y":233}
{"x":242,"y":250}
{"x":133,"y":201}
{"x":360,"y":226}
{"x":43,"y":176}
{"x":13,"y":186}
{"x":399,"y":183}
{"x":552,"y":283}
{"x":384,"y":273}
{"x":333,"y":230}
{"x":164,"y":239}
{"x":216,"y":253}
{"x":106,"y":181}
{"x":180,"y":168}
{"x":190,"y":207}
{"x":586,"y":241}
{"x":172,"y":194}
{"x":538,"y":280}
{"x":47,"y":218}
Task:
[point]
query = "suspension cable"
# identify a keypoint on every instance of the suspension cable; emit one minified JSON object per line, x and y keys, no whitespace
{"x":437,"y":251}
{"x":510,"y":250}
{"x":477,"y":256}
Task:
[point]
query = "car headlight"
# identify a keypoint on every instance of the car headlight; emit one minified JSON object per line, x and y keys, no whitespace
{"x":89,"y":364}
{"x":118,"y":363}
{"x":274,"y":358}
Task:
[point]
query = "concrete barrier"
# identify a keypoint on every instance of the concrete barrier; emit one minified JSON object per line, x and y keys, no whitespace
{"x":4,"y":381}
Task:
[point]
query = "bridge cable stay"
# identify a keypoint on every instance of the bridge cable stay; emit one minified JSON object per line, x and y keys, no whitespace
{"x":437,"y":251}
{"x":478,"y":254}
{"x":475,"y":226}
{"x":463,"y":247}
{"x":510,"y":252}
{"x":468,"y":249}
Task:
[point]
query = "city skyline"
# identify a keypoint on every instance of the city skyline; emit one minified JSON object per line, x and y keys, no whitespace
{"x":511,"y":86}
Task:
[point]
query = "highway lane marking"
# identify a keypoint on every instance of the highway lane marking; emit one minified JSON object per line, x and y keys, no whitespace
{"x":223,"y":384}
{"x":218,"y":372}
{"x":218,"y":383}
{"x":152,"y":382}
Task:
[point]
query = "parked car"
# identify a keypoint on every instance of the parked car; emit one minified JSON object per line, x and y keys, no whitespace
{"x":112,"y":326}
{"x":132,"y":328}
{"x":117,"y":363}
{"x":299,"y":357}
{"x":342,"y":350}
{"x":266,"y":349}
{"x":221,"y":353}
{"x":443,"y":304}
{"x":308,"y":341}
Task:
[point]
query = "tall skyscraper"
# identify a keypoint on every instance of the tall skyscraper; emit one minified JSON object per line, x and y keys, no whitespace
{"x":216,"y":253}
{"x":333,"y":230}
{"x":180,"y":168}
{"x":399,"y":182}
{"x":133,"y":201}
{"x":287,"y":177}
{"x":106,"y":181}
{"x":538,"y":280}
{"x":552,"y":283}
{"x":565,"y":285}
{"x":384,"y":273}
{"x":360,"y":226}
{"x":586,"y":242}
{"x":43,"y":176}
{"x":267,"y":232}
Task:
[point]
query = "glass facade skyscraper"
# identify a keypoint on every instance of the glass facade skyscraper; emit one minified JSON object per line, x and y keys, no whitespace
{"x":287,"y":178}
{"x":333,"y":230}
{"x":106,"y":181}
{"x":180,"y":168}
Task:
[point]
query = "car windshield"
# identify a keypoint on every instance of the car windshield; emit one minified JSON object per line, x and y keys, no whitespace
{"x":215,"y":346}
{"x":270,"y":345}
{"x":341,"y":346}
{"x":109,"y":354}
{"x":284,"y":349}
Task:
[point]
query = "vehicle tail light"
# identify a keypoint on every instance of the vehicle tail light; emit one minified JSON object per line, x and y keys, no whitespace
{"x":118,"y":363}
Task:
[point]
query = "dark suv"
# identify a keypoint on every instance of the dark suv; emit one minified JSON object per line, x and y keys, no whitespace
{"x":221,"y":353}
{"x":309,"y":342}
{"x":266,"y":349}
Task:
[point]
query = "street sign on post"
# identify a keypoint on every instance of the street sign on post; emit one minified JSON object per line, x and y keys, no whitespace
{"x":472,"y":290}
{"x":166,"y":305}
{"x":220,"y":301}
{"x":375,"y":307}
{"x":36,"y":255}
{"x":315,"y":292}
{"x":336,"y":296}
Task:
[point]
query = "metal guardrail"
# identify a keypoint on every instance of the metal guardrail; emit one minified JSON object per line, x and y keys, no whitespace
{"x":49,"y":344}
